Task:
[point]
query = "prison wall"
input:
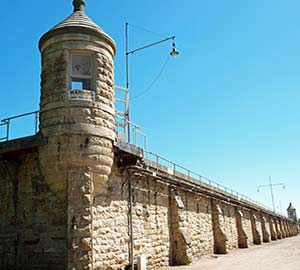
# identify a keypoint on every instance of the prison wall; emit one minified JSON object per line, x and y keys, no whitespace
{"x":32,"y":217}
{"x":265,"y":225}
{"x":243,"y":220}
{"x":174,"y":222}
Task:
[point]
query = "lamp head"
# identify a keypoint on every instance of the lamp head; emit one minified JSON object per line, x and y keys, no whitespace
{"x":174,"y":52}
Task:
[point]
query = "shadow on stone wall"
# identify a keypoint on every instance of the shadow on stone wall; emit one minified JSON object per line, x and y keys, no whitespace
{"x":32,"y":218}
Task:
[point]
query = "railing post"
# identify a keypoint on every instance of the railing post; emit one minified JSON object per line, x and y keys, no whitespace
{"x":127,"y":127}
{"x":202,"y":179}
{"x":7,"y":129}
{"x":36,"y":121}
{"x":174,"y":170}
{"x":134,"y":135}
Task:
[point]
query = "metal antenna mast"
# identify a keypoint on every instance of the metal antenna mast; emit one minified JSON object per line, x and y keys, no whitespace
{"x":271,"y":185}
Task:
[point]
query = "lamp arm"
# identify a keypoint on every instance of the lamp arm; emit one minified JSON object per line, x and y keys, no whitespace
{"x":263,"y":186}
{"x":279,"y":184}
{"x":150,"y":45}
{"x":273,"y":185}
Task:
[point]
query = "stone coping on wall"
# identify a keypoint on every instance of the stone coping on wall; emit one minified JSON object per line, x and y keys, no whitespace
{"x":166,"y":174}
{"x":22,"y":144}
{"x":178,"y":177}
{"x":147,"y":166}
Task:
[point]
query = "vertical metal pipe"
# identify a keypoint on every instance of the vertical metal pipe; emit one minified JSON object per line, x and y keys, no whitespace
{"x":174,"y":171}
{"x":127,"y":72}
{"x":7,"y":129}
{"x":272,"y":194}
{"x":36,"y":122}
{"x":127,"y":81}
{"x":134,"y":135}
{"x":130,"y":222}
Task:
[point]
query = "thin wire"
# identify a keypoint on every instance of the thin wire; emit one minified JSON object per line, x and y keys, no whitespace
{"x":147,"y":30}
{"x":154,"y":80}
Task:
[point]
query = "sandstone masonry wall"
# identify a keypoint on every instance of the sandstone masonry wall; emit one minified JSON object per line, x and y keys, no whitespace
{"x":172,"y":224}
{"x":79,"y":153}
{"x":32,"y":217}
{"x":195,"y":223}
{"x":245,"y":236}
{"x":273,"y":229}
{"x":277,"y":228}
{"x":265,"y":225}
{"x":225,"y":229}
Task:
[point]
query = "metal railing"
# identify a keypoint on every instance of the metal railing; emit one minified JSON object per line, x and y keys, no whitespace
{"x":137,"y":136}
{"x":140,"y":139}
{"x":7,"y":123}
{"x":178,"y":171}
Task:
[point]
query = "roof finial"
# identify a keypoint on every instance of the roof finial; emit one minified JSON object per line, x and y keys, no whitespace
{"x":78,"y":5}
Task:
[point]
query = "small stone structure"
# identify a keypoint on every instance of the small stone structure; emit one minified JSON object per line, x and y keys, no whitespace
{"x":292,"y":212}
{"x":73,"y":197}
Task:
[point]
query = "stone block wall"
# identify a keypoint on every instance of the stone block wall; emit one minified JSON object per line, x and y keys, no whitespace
{"x":256,"y":228}
{"x":224,"y":227}
{"x":110,"y":220}
{"x":151,"y":221}
{"x":273,"y":230}
{"x":277,"y":228}
{"x":81,"y":133}
{"x":191,"y":216}
{"x":172,"y":224}
{"x":265,"y":227}
{"x":245,"y":235}
{"x":32,"y":217}
{"x":282,"y":229}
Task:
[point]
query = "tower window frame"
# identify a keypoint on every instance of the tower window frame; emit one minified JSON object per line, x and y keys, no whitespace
{"x":81,"y":75}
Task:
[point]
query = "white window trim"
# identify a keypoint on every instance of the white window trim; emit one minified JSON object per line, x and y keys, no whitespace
{"x":92,"y":77}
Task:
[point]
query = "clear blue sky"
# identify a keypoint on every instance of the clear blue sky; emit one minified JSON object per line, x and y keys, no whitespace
{"x":227,"y":107}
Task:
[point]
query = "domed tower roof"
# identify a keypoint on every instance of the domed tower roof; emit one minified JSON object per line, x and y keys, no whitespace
{"x":291,"y":207}
{"x":77,"y":22}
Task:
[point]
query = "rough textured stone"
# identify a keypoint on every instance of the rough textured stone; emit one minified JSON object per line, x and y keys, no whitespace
{"x":256,"y":228}
{"x":265,"y":227}
{"x":65,"y":204}
{"x":171,"y":225}
{"x":191,"y":222}
{"x":273,"y":230}
{"x":224,"y":227}
{"x":32,"y":217}
{"x":243,"y":220}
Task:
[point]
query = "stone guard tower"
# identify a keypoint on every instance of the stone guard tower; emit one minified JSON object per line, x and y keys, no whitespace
{"x":77,"y":117}
{"x":292,"y":212}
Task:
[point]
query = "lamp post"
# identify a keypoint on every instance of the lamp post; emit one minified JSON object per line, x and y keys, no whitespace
{"x":271,"y":185}
{"x":173,"y":53}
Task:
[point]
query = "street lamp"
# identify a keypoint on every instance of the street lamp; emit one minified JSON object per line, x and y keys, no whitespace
{"x":173,"y":53}
{"x":271,"y":185}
